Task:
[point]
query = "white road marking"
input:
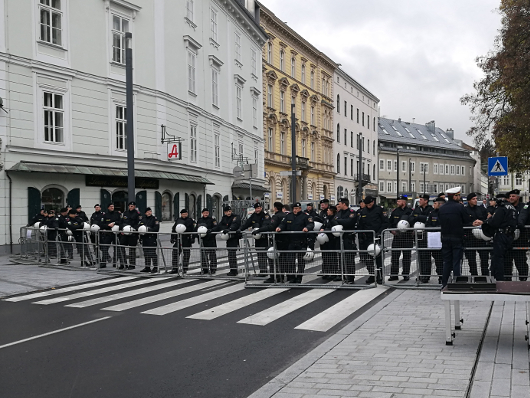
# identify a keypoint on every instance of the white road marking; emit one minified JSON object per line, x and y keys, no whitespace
{"x":276,"y":312}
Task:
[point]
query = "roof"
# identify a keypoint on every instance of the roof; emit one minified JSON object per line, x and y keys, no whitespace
{"x":355,"y":83}
{"x":246,"y":185}
{"x":104,"y":171}
{"x":401,"y":132}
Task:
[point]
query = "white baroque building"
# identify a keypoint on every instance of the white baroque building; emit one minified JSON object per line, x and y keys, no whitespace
{"x":197,"y":77}
{"x":355,"y":146}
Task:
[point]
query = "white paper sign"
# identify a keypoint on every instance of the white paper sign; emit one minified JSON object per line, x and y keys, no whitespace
{"x":434,"y":240}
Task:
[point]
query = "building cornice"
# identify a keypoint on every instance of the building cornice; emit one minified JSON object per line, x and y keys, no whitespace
{"x":355,"y":84}
{"x":246,"y":20}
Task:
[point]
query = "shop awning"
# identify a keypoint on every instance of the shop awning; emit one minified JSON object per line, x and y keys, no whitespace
{"x":246,"y":185}
{"x":31,"y":167}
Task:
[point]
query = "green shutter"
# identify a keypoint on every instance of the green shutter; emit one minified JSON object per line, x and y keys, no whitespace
{"x":209,"y":203}
{"x":141,"y":201}
{"x":73,"y":198}
{"x":158,"y":205}
{"x":106,"y":199}
{"x":176,"y":206}
{"x":34,"y":202}
{"x":187,"y":202}
{"x":199,"y":206}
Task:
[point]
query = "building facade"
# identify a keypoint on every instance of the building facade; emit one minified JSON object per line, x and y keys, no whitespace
{"x":197,"y":104}
{"x":295,"y":72}
{"x":416,"y":158}
{"x":355,"y":145}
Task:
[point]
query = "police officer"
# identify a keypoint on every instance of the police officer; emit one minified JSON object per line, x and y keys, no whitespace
{"x":323,"y":215}
{"x":420,"y":214}
{"x":259,"y":219}
{"x":433,"y":221}
{"x":182,"y":242}
{"x":348,"y":219}
{"x":76,"y":225}
{"x":60,"y":225}
{"x":149,"y":241}
{"x":130,"y":217}
{"x":278,"y":240}
{"x":107,"y":237}
{"x":401,"y":240}
{"x":523,"y":223}
{"x":311,"y":238}
{"x":361,"y":206}
{"x":372,"y":219}
{"x":491,"y":207}
{"x":40,"y":217}
{"x":452,"y":218}
{"x":230,"y":224}
{"x":331,"y":249}
{"x":517,"y":256}
{"x":310,"y":211}
{"x":296,"y":221}
{"x":51,"y":234}
{"x":208,"y":243}
{"x":95,"y":218}
{"x":475,"y":212}
{"x":81,"y":214}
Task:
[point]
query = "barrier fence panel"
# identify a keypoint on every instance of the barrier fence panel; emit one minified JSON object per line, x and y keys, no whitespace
{"x":310,"y":259}
{"x":32,"y":245}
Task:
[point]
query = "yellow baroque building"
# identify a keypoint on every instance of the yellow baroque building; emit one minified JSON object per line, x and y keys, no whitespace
{"x":295,"y":72}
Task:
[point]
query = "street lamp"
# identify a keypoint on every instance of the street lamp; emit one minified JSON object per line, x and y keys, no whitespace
{"x":129,"y":107}
{"x":398,"y":148}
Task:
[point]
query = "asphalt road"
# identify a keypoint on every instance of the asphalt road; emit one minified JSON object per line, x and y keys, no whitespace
{"x":133,"y":354}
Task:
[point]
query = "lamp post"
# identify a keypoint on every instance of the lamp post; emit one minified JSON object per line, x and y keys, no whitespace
{"x":410,"y":175}
{"x":360,"y":168}
{"x":129,"y":109}
{"x":398,"y":148}
{"x":293,"y":154}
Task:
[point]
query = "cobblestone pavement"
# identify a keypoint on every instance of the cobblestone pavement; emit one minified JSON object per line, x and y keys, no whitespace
{"x":397,"y":349}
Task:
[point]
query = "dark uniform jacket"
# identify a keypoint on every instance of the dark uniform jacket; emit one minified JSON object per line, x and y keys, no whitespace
{"x":419,"y":214}
{"x":524,"y":218}
{"x":322,"y":216}
{"x":96,"y":217}
{"x":76,"y":225}
{"x":260,"y":221}
{"x":82,"y":215}
{"x":191,"y":225}
{"x":504,"y":219}
{"x":50,"y":223}
{"x":231,"y":223}
{"x":372,"y":219}
{"x":311,"y":213}
{"x":108,"y":218}
{"x":60,"y":222}
{"x":153,"y":225}
{"x":131,"y":218}
{"x":210,"y":223}
{"x":38,"y":218}
{"x":474,"y":213}
{"x":453,"y":217}
{"x":276,"y":220}
{"x":399,"y":214}
{"x":348,"y":219}
{"x":433,"y":220}
{"x":297,"y":222}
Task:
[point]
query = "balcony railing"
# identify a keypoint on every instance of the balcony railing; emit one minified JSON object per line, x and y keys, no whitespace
{"x":364,"y":178}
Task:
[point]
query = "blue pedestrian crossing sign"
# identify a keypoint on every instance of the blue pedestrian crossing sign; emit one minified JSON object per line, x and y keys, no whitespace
{"x":498,"y":166}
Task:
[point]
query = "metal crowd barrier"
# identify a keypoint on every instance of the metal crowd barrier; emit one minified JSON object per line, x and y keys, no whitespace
{"x":32,"y":246}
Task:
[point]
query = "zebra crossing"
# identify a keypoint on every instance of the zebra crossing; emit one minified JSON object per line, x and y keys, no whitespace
{"x":122,"y":295}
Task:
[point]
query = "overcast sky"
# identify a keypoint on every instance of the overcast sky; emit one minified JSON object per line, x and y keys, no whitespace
{"x":416,"y":56}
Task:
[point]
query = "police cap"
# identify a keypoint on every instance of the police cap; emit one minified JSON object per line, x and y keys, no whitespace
{"x":324,"y":201}
{"x":514,"y":192}
{"x":368,"y":200}
{"x":226,"y":208}
{"x":148,"y":209}
{"x":184,"y":211}
{"x":442,"y":200}
{"x":97,"y":205}
{"x":206,"y":209}
{"x":424,"y":196}
{"x":132,"y":203}
{"x":471,"y":196}
{"x":297,"y":204}
{"x":257,"y":204}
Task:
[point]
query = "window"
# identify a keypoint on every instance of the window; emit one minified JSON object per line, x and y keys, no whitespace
{"x":338,"y":103}
{"x":345,"y":166}
{"x":351,"y":112}
{"x":403,"y":166}
{"x":189,"y":10}
{"x":464,"y":170}
{"x":389,"y":187}
{"x":382,"y":186}
{"x":457,"y":170}
{"x":282,"y":143}
{"x":389,"y":165}
{"x":120,"y":26}
{"x":281,"y":60}
{"x":435,"y":169}
{"x":313,"y":159}
{"x":381,"y":164}
{"x":351,"y":167}
{"x":53,"y":117}
{"x":303,"y":73}
{"x":338,"y":133}
{"x":413,"y":186}
{"x":237,"y":38}
{"x":413,"y":167}
{"x":447,"y":169}
{"x":282,"y":101}
{"x":338,"y":163}
{"x":403,"y":186}
{"x":357,"y":115}
{"x":363,"y":144}
{"x":217,"y":149}
{"x":269,"y":96}
{"x":254,"y":62}
{"x":368,"y":121}
{"x":351,"y":139}
{"x":303,"y":148}
{"x":192,"y":58}
{"x":345,"y":108}
{"x":215,"y":87}
{"x":51,"y":21}
{"x":313,"y":115}
{"x":441,"y":169}
{"x":345,"y":136}
{"x":363,"y":119}
{"x":121,"y":122}
{"x":254,"y":111}
{"x":303,"y":111}
{"x":312,"y":79}
{"x":269,"y":140}
{"x":368,"y":146}
{"x":373,"y":124}
{"x":213,"y":24}
{"x":193,"y":143}
{"x":293,"y":67}
{"x":269,"y":53}
{"x":239,"y":111}
{"x":395,"y":165}
{"x":452,"y":170}
{"x":373,"y":147}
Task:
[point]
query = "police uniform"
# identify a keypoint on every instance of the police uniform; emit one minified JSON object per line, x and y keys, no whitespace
{"x":208,"y":244}
{"x":278,"y":241}
{"x":297,"y":242}
{"x":476,"y":212}
{"x":76,"y":225}
{"x":149,"y":241}
{"x":420,"y":214}
{"x":59,"y":224}
{"x":523,"y":223}
{"x":230,"y":225}
{"x":401,"y":240}
{"x":81,"y":214}
{"x":331,"y":250}
{"x":95,"y":219}
{"x":311,"y":238}
{"x":371,"y":219}
{"x":515,"y":255}
{"x":182,"y":242}
{"x":130,"y":218}
{"x":433,"y":221}
{"x":259,"y":221}
{"x":51,"y":234}
{"x":37,"y":218}
{"x":452,"y":220}
{"x":348,"y":219}
{"x":108,"y":238}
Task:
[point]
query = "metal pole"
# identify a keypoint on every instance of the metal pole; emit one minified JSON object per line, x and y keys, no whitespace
{"x":397,"y":171}
{"x":293,"y":155}
{"x":360,"y":168}
{"x":410,"y":175}
{"x":424,"y":187}
{"x":250,"y":181}
{"x":129,"y":110}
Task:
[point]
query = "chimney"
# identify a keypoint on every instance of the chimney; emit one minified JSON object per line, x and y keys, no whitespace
{"x":431,"y":126}
{"x":399,"y":119}
{"x":450,"y":133}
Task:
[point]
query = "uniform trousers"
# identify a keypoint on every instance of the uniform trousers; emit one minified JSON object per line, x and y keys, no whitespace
{"x":208,"y":256}
{"x":471,"y":255}
{"x":131,"y":241}
{"x":502,"y":243}
{"x":151,"y":258}
{"x":452,"y":253}
{"x":517,"y":256}
{"x":402,"y":240}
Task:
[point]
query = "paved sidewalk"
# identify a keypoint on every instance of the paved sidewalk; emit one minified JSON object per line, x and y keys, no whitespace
{"x":397,"y":349}
{"x":20,"y":278}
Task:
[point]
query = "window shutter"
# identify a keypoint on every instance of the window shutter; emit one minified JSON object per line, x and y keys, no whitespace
{"x":209,"y":203}
{"x":176,"y":205}
{"x":73,"y":198}
{"x":158,"y":205}
{"x":199,"y":205}
{"x":105,"y":199}
{"x":34,"y":202}
{"x":187,"y":202}
{"x":141,"y":201}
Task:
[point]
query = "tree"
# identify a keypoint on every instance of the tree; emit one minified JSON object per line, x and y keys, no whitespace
{"x":501,"y":102}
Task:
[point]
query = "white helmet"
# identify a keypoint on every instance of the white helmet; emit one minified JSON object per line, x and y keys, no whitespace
{"x":308,"y":256}
{"x":116,"y":228}
{"x":322,"y":238}
{"x":486,"y":238}
{"x":94,"y":228}
{"x":127,"y":230}
{"x":224,"y":236}
{"x":374,"y":250}
{"x":318,"y":225}
{"x":403,"y":224}
{"x":71,"y":239}
{"x":36,"y":225}
{"x":43,"y":229}
{"x":257,"y":236}
{"x":271,"y":254}
{"x":69,"y":232}
{"x":86,"y":226}
{"x":336,"y":230}
{"x":419,"y":225}
{"x":477,"y":232}
{"x":180,"y":228}
{"x":142,"y":229}
{"x":517,"y":234}
{"x":202,"y":230}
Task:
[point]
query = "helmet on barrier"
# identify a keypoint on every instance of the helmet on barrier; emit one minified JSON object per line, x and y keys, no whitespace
{"x":308,"y":256}
{"x":69,"y":232}
{"x":517,"y":234}
{"x":419,"y":225}
{"x":374,"y":250}
{"x":94,"y":228}
{"x":142,"y":229}
{"x":271,"y":254}
{"x":336,"y":230}
{"x":86,"y":226}
{"x":43,"y":229}
{"x":403,"y":224}
{"x":477,"y":232}
{"x":180,"y":228}
{"x":485,"y":237}
{"x":71,"y":239}
{"x":115,"y":228}
{"x":318,"y":225}
{"x":322,"y":238}
{"x":202,"y":230}
{"x":256,"y":236}
{"x":127,"y":230}
{"x":36,"y":225}
{"x":223,"y":236}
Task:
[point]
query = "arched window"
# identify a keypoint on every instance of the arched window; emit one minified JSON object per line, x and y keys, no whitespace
{"x":340,"y":192}
{"x":120,"y":199}
{"x":346,"y":193}
{"x":166,"y":207}
{"x":338,"y":103}
{"x":338,"y":163}
{"x":338,"y":132}
{"x":52,"y":198}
